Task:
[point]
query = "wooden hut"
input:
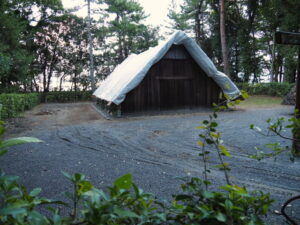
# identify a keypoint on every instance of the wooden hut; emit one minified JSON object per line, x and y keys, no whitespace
{"x":175,"y":81}
{"x":175,"y":74}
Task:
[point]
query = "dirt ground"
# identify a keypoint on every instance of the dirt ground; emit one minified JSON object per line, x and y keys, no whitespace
{"x":52,"y":116}
{"x":155,"y":148}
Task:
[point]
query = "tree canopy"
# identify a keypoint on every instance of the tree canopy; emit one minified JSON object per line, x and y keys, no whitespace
{"x":45,"y":47}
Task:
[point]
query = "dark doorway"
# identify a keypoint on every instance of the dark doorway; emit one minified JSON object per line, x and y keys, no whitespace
{"x":175,"y":93}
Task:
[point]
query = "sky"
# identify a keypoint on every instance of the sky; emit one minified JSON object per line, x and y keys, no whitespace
{"x":156,"y":9}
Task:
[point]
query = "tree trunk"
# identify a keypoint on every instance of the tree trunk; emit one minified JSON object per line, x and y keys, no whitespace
{"x":223,"y":38}
{"x":44,"y":76}
{"x":91,"y":48}
{"x":37,"y":89}
{"x":61,"y":81}
{"x":237,"y":61}
{"x":197,"y":28}
{"x":280,"y":73}
{"x":273,"y":59}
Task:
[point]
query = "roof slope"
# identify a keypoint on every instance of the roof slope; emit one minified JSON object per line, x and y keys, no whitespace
{"x":133,"y":69}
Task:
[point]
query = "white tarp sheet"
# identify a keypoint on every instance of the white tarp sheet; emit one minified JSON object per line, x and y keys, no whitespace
{"x":132,"y":70}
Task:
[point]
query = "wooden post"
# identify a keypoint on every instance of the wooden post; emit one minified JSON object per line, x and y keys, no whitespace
{"x":298,"y":84}
{"x":296,"y":144}
{"x":289,"y":38}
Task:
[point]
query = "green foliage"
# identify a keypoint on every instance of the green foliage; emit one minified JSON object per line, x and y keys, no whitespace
{"x":210,"y":136}
{"x":17,"y":204}
{"x":234,"y":206}
{"x":17,"y":34}
{"x":12,"y":104}
{"x":250,"y":26}
{"x":279,"y":127}
{"x":67,"y":96}
{"x":127,"y":204}
{"x":272,"y":89}
{"x":126,"y":25}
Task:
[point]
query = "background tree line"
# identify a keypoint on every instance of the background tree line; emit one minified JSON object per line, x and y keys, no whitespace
{"x":249,"y":27}
{"x":43,"y":46}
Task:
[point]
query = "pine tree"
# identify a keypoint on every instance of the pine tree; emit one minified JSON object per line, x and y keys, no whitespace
{"x":126,"y":31}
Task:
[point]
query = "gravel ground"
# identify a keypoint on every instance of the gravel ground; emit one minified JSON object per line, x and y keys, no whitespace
{"x":156,"y":149}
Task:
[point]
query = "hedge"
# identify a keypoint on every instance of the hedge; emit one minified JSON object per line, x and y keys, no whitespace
{"x":12,"y":104}
{"x":67,"y":96}
{"x":272,"y":89}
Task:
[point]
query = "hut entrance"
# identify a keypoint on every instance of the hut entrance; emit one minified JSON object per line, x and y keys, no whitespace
{"x":175,"y":93}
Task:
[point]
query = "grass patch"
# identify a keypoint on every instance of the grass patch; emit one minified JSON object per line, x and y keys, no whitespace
{"x":261,"y":101}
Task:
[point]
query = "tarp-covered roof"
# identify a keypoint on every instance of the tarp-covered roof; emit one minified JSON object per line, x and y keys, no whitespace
{"x":133,"y":69}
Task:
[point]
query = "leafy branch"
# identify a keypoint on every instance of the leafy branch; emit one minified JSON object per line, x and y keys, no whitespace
{"x":211,"y":137}
{"x":278,"y":128}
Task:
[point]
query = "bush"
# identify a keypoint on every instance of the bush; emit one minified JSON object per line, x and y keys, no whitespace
{"x":125,"y":203}
{"x":12,"y":104}
{"x":67,"y":96}
{"x":272,"y":89}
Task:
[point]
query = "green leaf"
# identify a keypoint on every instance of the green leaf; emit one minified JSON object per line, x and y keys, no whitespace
{"x":208,"y":194}
{"x":244,"y":94}
{"x":35,"y":192}
{"x":18,"y":141}
{"x":209,"y":141}
{"x":13,"y":211}
{"x":204,"y":212}
{"x":224,"y":166}
{"x":228,"y":204}
{"x":200,"y":143}
{"x":125,"y":213}
{"x":2,"y":128}
{"x":67,"y":175}
{"x":85,"y":186}
{"x":205,"y":122}
{"x":124,"y":182}
{"x":2,"y":152}
{"x":215,"y":115}
{"x":214,"y":124}
{"x":226,"y":96}
{"x":36,"y":218}
{"x":183,"y":197}
{"x":221,"y":217}
{"x":78,"y":177}
{"x":224,"y":150}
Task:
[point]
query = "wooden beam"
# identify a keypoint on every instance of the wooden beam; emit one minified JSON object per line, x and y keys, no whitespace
{"x":174,"y":78}
{"x":287,"y":38}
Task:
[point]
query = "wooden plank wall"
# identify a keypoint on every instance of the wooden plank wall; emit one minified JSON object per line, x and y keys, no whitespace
{"x":176,"y":81}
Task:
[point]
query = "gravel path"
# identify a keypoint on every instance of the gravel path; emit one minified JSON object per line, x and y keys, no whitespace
{"x":156,"y":149}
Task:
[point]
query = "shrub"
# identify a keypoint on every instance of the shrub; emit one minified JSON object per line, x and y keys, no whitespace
{"x":12,"y":104}
{"x":272,"y":89}
{"x":67,"y":96}
{"x":125,"y":203}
